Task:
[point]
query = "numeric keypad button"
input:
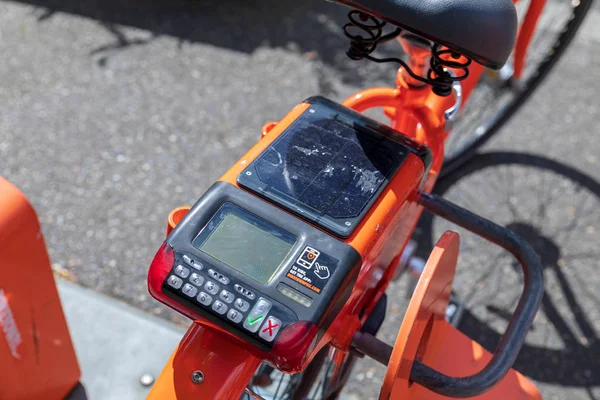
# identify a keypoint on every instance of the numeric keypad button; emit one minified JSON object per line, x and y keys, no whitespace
{"x":211,"y":287}
{"x":226,"y":296}
{"x":196,"y":279}
{"x":235,"y":316}
{"x":174,"y":281}
{"x":219,"y":307}
{"x":182,"y":271}
{"x":204,"y":299}
{"x":242,"y":304}
{"x":189,"y":290}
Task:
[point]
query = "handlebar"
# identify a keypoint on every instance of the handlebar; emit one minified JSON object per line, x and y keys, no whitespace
{"x":510,"y":344}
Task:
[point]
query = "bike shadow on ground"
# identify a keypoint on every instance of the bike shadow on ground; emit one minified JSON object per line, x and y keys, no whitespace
{"x":312,"y":28}
{"x":559,"y":216}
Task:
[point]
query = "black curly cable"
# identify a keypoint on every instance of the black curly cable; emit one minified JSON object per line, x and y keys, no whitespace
{"x":366,"y":33}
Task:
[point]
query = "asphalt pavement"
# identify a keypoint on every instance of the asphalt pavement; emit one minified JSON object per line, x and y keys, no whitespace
{"x":113,"y":113}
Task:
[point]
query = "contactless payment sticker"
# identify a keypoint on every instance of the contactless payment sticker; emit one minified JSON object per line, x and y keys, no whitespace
{"x":313,"y":269}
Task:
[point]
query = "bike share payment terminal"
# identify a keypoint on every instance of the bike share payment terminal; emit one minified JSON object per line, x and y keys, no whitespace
{"x":264,"y":253}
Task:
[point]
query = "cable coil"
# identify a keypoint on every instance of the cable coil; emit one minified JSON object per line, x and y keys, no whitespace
{"x":366,"y":33}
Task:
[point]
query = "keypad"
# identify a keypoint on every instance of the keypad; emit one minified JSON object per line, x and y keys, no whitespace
{"x":226,"y":296}
{"x":211,"y":287}
{"x":219,"y":307}
{"x":182,"y":271}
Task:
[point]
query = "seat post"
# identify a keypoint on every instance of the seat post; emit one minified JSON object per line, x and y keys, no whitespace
{"x":418,"y":51}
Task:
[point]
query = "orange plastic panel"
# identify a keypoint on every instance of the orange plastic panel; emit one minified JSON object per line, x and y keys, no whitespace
{"x":37,"y":359}
{"x":227,"y":368}
{"x":425,"y":335}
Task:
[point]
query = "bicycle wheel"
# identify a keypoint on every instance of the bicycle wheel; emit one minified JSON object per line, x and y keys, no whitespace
{"x":323,"y":379}
{"x":555,"y":208}
{"x":497,"y":96}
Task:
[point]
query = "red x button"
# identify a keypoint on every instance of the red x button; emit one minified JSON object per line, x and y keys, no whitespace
{"x":269,"y":329}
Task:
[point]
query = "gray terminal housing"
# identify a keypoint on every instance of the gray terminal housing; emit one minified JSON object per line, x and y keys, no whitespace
{"x":343,"y":261}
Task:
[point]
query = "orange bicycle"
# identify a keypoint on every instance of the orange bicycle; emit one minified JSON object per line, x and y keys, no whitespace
{"x":284,"y":262}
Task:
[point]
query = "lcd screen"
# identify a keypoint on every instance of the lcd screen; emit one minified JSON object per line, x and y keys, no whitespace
{"x":245,"y":242}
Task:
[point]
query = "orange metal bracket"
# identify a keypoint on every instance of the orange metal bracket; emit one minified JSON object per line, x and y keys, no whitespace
{"x":426,"y":336}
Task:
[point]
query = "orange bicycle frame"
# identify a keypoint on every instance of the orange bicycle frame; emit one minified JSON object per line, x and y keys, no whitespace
{"x":526,"y":34}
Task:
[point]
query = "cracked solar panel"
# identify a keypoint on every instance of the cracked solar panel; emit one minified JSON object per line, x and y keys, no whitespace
{"x":328,"y":167}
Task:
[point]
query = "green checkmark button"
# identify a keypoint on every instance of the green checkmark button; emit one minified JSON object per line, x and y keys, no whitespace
{"x":255,"y":320}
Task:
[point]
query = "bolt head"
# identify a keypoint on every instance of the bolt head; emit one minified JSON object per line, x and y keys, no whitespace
{"x":197,"y":377}
{"x":146,"y":380}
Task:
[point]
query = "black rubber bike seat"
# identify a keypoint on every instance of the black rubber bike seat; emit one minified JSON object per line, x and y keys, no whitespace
{"x":483,"y":30}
